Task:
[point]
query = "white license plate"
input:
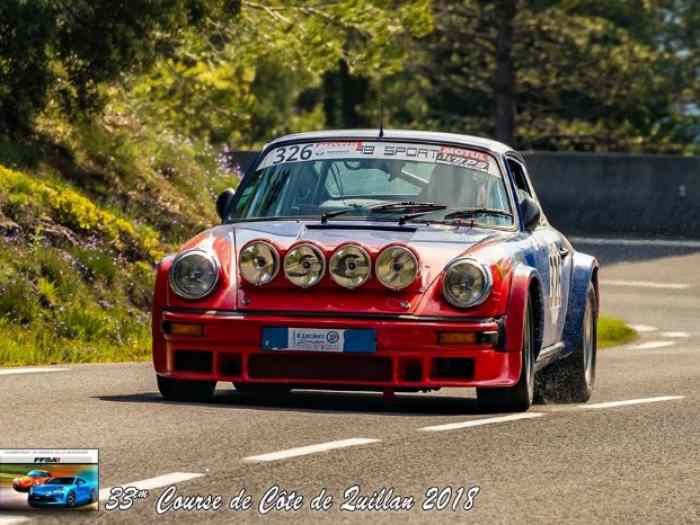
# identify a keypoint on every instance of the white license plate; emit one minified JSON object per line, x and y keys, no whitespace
{"x":318,"y":339}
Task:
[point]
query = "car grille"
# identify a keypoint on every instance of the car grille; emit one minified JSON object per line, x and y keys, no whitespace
{"x":325,"y":367}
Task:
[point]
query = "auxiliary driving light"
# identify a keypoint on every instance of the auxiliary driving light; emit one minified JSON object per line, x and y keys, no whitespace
{"x":396,"y":267}
{"x":304,"y":265}
{"x":350,"y":266}
{"x":259,"y":262}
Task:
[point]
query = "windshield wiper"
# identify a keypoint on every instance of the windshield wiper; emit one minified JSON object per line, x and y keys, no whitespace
{"x":472,"y":212}
{"x":327,"y":215}
{"x":390,"y":207}
{"x":407,"y":205}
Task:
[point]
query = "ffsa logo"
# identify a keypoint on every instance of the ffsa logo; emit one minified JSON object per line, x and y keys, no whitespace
{"x":45,"y":460}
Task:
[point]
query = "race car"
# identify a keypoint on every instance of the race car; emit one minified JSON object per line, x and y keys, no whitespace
{"x":31,"y":478}
{"x":68,"y":491}
{"x":389,"y":261}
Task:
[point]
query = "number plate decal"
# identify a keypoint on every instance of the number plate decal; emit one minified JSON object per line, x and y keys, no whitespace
{"x":318,"y":339}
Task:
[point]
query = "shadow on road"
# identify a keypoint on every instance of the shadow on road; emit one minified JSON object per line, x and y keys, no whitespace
{"x":326,"y":402}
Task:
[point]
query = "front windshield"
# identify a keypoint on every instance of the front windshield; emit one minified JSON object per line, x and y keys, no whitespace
{"x":357,"y":179}
{"x":37,"y":474}
{"x":60,"y":481}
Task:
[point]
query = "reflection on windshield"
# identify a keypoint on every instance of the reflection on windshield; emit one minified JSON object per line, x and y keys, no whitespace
{"x":60,"y":481}
{"x":333,"y":184}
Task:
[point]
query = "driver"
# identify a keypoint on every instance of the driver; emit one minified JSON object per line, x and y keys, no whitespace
{"x":456,"y":187}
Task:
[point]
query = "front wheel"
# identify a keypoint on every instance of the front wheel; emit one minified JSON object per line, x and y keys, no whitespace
{"x":571,"y":380}
{"x":70,"y":500}
{"x":184,"y":390}
{"x":520,"y":397}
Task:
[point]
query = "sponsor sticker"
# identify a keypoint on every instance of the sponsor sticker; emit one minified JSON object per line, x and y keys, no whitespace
{"x":352,"y":150}
{"x":49,"y":478}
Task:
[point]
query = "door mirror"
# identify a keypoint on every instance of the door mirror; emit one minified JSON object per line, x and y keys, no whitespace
{"x":531,"y":213}
{"x":223,"y":202}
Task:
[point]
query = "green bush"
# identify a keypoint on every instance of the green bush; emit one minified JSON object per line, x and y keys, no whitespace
{"x":100,"y":264}
{"x":18,"y":301}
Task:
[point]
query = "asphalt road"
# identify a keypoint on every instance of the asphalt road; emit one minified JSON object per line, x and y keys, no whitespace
{"x":602,"y":462}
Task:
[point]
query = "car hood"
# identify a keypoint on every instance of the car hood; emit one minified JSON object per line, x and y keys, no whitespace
{"x":435,"y":245}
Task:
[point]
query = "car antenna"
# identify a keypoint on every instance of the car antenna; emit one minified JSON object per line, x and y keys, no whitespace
{"x":381,"y":110}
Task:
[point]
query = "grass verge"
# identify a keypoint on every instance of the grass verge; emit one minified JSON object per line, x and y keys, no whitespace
{"x":614,"y":332}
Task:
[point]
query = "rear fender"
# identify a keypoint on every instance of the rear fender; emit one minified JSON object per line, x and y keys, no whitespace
{"x":585,"y":271}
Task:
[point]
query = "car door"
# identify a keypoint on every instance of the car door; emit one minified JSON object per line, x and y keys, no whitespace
{"x":551,"y":257}
{"x":82,"y":489}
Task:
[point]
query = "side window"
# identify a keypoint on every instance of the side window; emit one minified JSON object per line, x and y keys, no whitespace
{"x":520,"y":179}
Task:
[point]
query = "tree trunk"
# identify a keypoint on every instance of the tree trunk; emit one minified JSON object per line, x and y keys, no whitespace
{"x":504,"y":79}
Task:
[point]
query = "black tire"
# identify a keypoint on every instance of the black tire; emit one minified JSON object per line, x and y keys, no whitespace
{"x":184,"y":390}
{"x":571,"y":380}
{"x":93,"y":496}
{"x":70,"y":499}
{"x":519,"y":397}
{"x":262,"y":388}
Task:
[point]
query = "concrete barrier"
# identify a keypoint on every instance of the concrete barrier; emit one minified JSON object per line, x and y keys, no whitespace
{"x":610,"y":194}
{"x":619,"y":194}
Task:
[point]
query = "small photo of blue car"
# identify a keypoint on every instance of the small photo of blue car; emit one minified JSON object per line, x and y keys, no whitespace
{"x":63,"y":492}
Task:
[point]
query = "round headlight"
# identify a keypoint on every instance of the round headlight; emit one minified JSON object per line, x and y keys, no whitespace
{"x":350,"y":266}
{"x":194,"y":274}
{"x":396,"y":267}
{"x":259,"y":262}
{"x":304,"y":265}
{"x":466,"y":283}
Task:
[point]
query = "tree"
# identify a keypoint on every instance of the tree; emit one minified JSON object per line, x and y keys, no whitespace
{"x":67,"y":48}
{"x":574,"y":74}
{"x":246,"y":78}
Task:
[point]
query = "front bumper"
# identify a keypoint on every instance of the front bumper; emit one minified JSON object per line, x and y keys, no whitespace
{"x":407,"y":355}
{"x":42,"y":500}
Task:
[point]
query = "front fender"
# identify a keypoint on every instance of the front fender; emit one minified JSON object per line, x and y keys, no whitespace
{"x":525,"y":278}
{"x":585,"y":271}
{"x":159,"y":301}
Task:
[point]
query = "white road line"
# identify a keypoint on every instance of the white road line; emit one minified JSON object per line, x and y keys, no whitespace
{"x":645,"y":328}
{"x":12,"y":520}
{"x":650,"y":345}
{"x":480,"y":422}
{"x":675,"y":335}
{"x":154,"y":483}
{"x":669,"y":243}
{"x":613,"y":404}
{"x":311,"y":449}
{"x":645,"y":284}
{"x":29,"y":370}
